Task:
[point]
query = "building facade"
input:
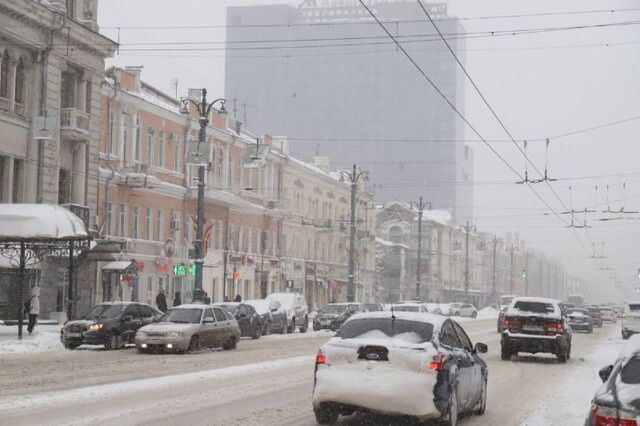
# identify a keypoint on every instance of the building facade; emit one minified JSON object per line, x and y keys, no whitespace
{"x":51,"y":68}
{"x":337,"y":85}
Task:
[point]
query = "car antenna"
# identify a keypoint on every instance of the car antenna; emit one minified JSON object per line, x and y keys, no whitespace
{"x":393,"y":315}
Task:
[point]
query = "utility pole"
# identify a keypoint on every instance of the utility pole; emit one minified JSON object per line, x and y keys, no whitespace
{"x":421,"y":205}
{"x":353,"y":179}
{"x":492,"y":293}
{"x":526,"y":275}
{"x":511,"y":253}
{"x":204,"y":109}
{"x":467,"y":229}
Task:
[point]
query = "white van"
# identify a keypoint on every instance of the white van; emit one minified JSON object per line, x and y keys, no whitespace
{"x":630,"y":319}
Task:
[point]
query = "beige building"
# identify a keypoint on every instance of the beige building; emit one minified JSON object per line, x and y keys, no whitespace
{"x":316,"y":233}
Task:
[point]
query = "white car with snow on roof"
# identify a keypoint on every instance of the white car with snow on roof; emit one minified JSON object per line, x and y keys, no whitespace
{"x":617,"y":401}
{"x":400,"y":364}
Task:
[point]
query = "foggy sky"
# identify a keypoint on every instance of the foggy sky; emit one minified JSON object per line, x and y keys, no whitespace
{"x":538,"y":86}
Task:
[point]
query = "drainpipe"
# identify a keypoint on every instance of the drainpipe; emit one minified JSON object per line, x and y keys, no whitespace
{"x":43,"y":101}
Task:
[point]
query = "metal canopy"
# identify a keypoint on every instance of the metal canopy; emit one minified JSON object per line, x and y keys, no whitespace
{"x":117,"y":266}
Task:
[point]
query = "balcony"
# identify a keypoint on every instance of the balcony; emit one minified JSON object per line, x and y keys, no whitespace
{"x":5,"y":105}
{"x":74,"y":124}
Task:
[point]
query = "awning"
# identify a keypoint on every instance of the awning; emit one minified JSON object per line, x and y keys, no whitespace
{"x":117,"y":266}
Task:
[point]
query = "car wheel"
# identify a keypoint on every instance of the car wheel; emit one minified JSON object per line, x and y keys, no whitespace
{"x":112,"y":342}
{"x":71,"y":346}
{"x":292,"y":326}
{"x":591,"y":329}
{"x":452,"y":411}
{"x":316,"y":327}
{"x":563,"y":356}
{"x":305,"y":326}
{"x":194,"y":344}
{"x":142,"y":351}
{"x":482,"y":406}
{"x":325,"y":415}
{"x":505,"y":353}
{"x":258,"y":333}
{"x":231,"y":344}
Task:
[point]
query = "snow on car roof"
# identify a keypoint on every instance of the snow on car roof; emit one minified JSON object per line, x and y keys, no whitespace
{"x":511,"y":310}
{"x":631,"y":348}
{"x":191,"y":306}
{"x":436,"y":320}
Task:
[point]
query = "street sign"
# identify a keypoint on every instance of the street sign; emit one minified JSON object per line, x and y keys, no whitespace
{"x":198,"y":153}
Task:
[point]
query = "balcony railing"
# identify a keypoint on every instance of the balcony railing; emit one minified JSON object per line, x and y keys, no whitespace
{"x":75,"y":120}
{"x":5,"y":105}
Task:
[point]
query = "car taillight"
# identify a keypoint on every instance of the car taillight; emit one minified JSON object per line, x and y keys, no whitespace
{"x":321,"y":359}
{"x":513,"y":324}
{"x":606,"y":416}
{"x":553,"y":327}
{"x":438,"y":362}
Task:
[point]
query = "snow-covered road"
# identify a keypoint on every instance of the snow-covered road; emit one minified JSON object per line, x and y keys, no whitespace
{"x":268,"y":382}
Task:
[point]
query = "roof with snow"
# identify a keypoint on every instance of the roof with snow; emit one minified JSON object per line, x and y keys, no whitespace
{"x":33,"y":222}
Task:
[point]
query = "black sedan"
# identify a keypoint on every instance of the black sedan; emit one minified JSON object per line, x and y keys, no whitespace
{"x":412,"y":364}
{"x":247,"y":317}
{"x":112,"y":324}
{"x":333,"y":315}
{"x":273,"y":317}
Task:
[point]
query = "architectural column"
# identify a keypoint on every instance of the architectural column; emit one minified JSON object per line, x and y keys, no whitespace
{"x":79,"y":176}
{"x":13,"y":66}
{"x":7,"y":180}
{"x":81,"y":94}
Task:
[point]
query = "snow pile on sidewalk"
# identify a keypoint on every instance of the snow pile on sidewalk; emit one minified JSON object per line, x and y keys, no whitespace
{"x":44,"y":338}
{"x":488,"y":312}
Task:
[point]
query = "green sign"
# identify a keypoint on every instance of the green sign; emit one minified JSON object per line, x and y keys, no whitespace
{"x":183,"y":270}
{"x":192,"y":270}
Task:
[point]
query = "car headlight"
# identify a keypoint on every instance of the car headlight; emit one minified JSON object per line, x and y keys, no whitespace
{"x":175,"y":334}
{"x":96,"y":327}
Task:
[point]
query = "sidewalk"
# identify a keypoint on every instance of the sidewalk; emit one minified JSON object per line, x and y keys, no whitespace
{"x":45,"y":337}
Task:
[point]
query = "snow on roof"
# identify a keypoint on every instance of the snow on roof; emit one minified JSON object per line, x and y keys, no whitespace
{"x":315,"y":169}
{"x":436,"y":320}
{"x":442,"y":217}
{"x":39,"y":222}
{"x":387,"y":243}
{"x":190,"y":306}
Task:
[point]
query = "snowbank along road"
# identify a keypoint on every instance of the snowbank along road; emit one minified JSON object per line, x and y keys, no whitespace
{"x":269,"y":382}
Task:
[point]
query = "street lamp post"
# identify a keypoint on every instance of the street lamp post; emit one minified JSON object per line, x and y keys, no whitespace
{"x":204,"y":109}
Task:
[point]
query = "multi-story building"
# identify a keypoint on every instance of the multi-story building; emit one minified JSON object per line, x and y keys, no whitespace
{"x":316,"y":233}
{"x":331,"y":80}
{"x":51,"y":68}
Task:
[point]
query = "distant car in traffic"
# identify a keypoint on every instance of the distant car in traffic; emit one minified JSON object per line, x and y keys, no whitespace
{"x":596,"y":315}
{"x":402,"y":364}
{"x":536,"y":325}
{"x":372,"y":307}
{"x":433,"y":308}
{"x":112,"y":324}
{"x":188,"y":328}
{"x":333,"y":315}
{"x":273,"y":317}
{"x":296,"y":308}
{"x":630,"y":319}
{"x":463,"y":310}
{"x":580,"y":319}
{"x":617,"y":401}
{"x":410,"y":307}
{"x":608,"y":314}
{"x":246,"y":316}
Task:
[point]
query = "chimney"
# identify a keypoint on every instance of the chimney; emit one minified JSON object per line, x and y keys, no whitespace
{"x":281,"y":143}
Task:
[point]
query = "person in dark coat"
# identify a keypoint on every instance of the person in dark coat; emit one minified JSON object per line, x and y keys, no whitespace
{"x":177,"y":301}
{"x":161,"y":301}
{"x":238,"y":299}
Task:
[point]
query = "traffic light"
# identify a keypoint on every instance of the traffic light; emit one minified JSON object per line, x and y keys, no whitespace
{"x":524,"y":273}
{"x":638,"y":290}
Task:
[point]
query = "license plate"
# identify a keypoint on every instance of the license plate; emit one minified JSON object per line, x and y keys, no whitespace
{"x":73,"y":335}
{"x":532,"y":328}
{"x":326,"y":323}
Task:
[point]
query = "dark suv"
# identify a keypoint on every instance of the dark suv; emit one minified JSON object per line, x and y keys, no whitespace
{"x":112,"y":324}
{"x":533,"y":324}
{"x":333,"y":315}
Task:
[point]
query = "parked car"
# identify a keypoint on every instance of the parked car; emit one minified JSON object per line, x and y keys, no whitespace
{"x":112,"y":324}
{"x":596,"y":315}
{"x":384,"y":363}
{"x":535,"y":324}
{"x":410,"y":307}
{"x":580,"y":319}
{"x":630,"y":319}
{"x":616,"y":401}
{"x":608,"y":314}
{"x":463,"y":310}
{"x":187,"y":328}
{"x":272,"y":316}
{"x":333,"y":315}
{"x":433,"y":308}
{"x":296,"y":308}
{"x":371,"y":307}
{"x":501,"y":314}
{"x":246,"y":316}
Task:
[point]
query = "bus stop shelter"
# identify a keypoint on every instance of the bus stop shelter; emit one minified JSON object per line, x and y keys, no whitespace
{"x":31,"y":233}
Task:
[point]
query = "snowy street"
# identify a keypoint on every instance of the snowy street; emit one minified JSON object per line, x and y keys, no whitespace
{"x":269,"y":382}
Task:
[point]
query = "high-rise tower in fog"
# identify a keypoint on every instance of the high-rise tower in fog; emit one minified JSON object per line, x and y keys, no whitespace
{"x":328,"y":77}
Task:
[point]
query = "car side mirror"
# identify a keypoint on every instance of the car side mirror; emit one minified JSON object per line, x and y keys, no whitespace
{"x":605,"y":372}
{"x":207,"y":320}
{"x":481,"y":348}
{"x":127,"y":318}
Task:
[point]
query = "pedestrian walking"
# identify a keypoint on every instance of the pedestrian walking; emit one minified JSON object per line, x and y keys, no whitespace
{"x":32,"y":308}
{"x":238,"y":299}
{"x":161,"y":300}
{"x":177,"y":301}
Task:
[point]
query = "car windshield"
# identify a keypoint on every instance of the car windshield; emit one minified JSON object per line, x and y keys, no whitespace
{"x":105,"y":311}
{"x":535,"y":307}
{"x":406,"y":308}
{"x":333,"y":309}
{"x":261,"y":306}
{"x":456,"y":305}
{"x":578,"y":311}
{"x":634,"y":307}
{"x":285,"y":299}
{"x":229,"y":308}
{"x":182,"y":316}
{"x":630,"y":373}
{"x":414,"y":331}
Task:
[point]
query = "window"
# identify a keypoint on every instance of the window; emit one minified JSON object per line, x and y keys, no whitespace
{"x":125,"y":136}
{"x":136,"y":222}
{"x":4,"y":75}
{"x":217,"y":231}
{"x":220,"y":316}
{"x":462,"y":336}
{"x":448,"y":336}
{"x":123,"y":220}
{"x":208,"y":313}
{"x":71,"y":9}
{"x":110,"y":133}
{"x":150,"y":135}
{"x":16,"y":189}
{"x":88,"y":96}
{"x":137,"y":141}
{"x":161,"y":148}
{"x":176,"y":154}
{"x":159,"y":225}
{"x":68,"y":89}
{"x":20,"y":83}
{"x":149,"y":220}
{"x":418,"y":332}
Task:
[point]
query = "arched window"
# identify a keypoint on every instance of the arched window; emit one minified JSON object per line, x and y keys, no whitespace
{"x":395,"y":234}
{"x":20,"y":80}
{"x":4,"y":76}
